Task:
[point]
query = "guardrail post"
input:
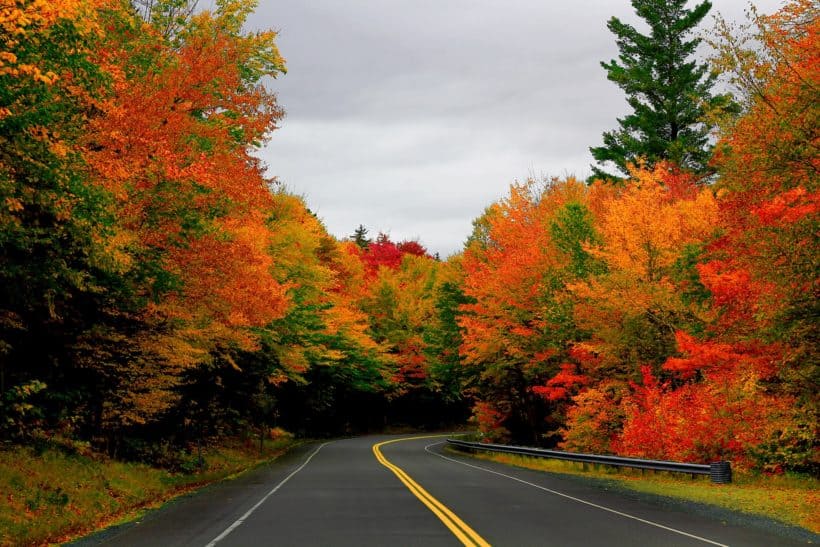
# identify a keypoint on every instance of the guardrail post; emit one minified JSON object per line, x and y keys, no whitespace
{"x":720,"y":472}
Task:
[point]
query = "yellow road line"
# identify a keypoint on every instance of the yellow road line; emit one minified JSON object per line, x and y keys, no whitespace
{"x":458,"y":527}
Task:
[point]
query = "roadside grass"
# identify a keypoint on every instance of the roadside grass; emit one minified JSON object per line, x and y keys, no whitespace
{"x":49,"y":496}
{"x":793,"y":499}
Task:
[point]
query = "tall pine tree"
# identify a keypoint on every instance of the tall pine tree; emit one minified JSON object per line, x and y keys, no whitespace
{"x":668,"y":92}
{"x":360,"y":238}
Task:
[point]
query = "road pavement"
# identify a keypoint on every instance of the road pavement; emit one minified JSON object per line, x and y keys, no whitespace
{"x":411,"y":491}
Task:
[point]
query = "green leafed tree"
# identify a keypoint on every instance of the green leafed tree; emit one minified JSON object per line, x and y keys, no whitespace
{"x":668,"y":91}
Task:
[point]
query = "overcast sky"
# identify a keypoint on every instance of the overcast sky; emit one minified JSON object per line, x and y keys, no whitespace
{"x":411,"y":116}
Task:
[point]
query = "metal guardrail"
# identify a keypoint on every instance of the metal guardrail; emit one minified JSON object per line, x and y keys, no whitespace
{"x":719,"y":472}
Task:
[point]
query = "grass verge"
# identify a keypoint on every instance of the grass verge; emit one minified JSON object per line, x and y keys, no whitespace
{"x":49,"y":496}
{"x":793,"y":499}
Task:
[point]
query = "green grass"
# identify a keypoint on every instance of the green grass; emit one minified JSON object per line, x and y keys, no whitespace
{"x":50,"y":496}
{"x":793,"y":499}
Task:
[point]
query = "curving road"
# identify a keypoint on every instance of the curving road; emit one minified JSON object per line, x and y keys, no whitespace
{"x":410,"y":491}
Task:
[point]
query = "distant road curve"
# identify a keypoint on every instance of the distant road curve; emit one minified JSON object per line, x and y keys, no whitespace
{"x":407,"y":490}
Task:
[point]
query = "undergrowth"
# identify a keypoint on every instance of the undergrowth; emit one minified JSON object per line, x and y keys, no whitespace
{"x":48,"y":495}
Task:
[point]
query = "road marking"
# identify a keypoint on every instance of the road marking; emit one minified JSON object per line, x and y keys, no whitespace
{"x":579,"y":500}
{"x":242,"y":519}
{"x":458,"y":527}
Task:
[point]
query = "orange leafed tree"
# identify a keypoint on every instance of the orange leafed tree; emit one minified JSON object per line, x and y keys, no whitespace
{"x":634,"y":305}
{"x":172,"y":146}
{"x":523,"y":250}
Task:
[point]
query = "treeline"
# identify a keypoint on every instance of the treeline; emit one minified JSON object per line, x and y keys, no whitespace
{"x":158,"y":289}
{"x":673,"y":313}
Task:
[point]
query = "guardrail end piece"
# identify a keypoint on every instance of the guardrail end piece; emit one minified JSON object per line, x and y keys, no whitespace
{"x":720,"y":472}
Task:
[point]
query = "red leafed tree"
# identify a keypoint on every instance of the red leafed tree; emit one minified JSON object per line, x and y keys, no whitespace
{"x":561,"y":385}
{"x":727,"y":417}
{"x":713,"y":355}
{"x":382,"y":252}
{"x":762,"y":272}
{"x":412,"y":247}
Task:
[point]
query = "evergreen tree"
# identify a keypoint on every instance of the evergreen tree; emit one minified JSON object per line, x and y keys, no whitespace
{"x":669,"y":94}
{"x":360,"y":238}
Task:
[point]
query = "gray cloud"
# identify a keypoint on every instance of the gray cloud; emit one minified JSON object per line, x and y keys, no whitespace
{"x":411,"y":116}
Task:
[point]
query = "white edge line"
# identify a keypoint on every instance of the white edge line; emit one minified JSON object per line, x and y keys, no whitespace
{"x":242,"y":519}
{"x":649,"y":522}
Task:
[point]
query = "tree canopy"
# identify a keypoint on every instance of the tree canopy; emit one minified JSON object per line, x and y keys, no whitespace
{"x":159,"y":288}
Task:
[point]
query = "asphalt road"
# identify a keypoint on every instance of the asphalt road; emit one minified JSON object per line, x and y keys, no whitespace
{"x":413,"y":492}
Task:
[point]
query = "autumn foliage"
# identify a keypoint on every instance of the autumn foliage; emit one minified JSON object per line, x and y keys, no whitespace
{"x":664,"y":317}
{"x":614,"y":318}
{"x":158,"y":287}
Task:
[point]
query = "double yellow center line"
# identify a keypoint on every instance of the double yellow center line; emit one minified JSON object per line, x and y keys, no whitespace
{"x":458,"y":527}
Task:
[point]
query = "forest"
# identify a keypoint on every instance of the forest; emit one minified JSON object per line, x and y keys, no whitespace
{"x":160,"y":288}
